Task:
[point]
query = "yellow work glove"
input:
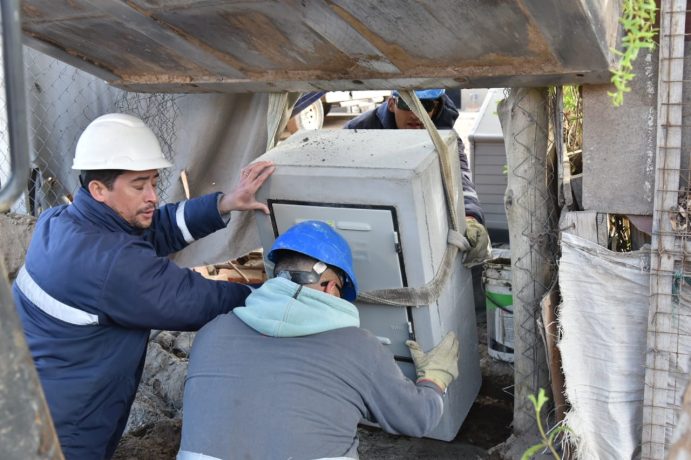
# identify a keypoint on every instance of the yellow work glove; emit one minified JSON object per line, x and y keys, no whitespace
{"x":440,"y":364}
{"x":480,"y":245}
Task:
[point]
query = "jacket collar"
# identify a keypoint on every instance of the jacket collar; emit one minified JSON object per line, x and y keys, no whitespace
{"x":100,"y":214}
{"x":386,"y":118}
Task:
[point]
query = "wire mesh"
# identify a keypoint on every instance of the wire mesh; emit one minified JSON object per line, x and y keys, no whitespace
{"x":62,"y":100}
{"x":669,"y":324}
{"x":160,"y":112}
{"x":534,"y":234}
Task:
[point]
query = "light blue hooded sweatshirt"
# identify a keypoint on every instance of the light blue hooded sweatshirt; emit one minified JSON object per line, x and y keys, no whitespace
{"x":281,"y":308}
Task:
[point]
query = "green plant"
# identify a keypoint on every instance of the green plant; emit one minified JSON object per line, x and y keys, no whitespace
{"x":573,"y":118}
{"x":638,"y":19}
{"x":547,"y":438}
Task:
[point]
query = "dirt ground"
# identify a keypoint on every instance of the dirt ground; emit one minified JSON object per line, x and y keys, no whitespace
{"x":487,"y":425}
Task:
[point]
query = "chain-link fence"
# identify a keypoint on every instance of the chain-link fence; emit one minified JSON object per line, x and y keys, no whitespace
{"x":669,"y":319}
{"x":62,"y":100}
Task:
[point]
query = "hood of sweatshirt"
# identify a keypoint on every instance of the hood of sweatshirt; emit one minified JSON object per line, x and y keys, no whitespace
{"x":281,"y":308}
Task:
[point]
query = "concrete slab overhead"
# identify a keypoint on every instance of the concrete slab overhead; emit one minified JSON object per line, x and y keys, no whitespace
{"x":271,"y":45}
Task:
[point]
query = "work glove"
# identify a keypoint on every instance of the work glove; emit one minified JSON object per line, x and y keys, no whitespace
{"x":440,"y":364}
{"x":480,"y":245}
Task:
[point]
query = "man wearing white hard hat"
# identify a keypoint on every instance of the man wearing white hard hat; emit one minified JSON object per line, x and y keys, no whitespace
{"x":97,"y":279}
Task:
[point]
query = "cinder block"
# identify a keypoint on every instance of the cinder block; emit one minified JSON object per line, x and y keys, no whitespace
{"x":619,"y":144}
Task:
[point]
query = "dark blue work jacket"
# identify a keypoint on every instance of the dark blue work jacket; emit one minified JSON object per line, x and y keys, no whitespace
{"x":91,"y":289}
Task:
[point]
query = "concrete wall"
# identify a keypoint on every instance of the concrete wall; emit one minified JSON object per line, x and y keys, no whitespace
{"x":619,"y":144}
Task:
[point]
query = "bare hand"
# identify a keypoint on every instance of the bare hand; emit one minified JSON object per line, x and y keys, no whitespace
{"x":242,"y":198}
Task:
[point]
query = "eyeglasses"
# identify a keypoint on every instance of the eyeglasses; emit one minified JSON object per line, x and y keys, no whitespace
{"x":428,"y":104}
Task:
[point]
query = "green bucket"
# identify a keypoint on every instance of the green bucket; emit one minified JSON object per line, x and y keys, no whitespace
{"x":499,"y":303}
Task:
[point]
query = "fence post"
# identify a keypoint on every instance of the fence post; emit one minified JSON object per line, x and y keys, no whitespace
{"x":668,"y":342}
{"x":531,"y":207}
{"x":26,"y":429}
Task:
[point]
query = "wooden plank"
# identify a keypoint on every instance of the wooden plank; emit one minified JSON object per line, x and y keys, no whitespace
{"x":589,"y":225}
{"x":656,"y":409}
{"x":549,"y":320}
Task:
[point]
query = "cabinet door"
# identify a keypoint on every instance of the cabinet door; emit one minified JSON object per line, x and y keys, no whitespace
{"x":371,"y":233}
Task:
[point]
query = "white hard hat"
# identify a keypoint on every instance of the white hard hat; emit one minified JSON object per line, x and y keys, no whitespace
{"x":118,"y":141}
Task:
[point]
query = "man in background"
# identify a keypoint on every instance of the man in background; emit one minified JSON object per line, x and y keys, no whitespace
{"x":394,"y":113}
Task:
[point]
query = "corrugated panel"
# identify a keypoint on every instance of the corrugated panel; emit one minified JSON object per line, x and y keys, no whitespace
{"x":489,"y":160}
{"x":213,"y":45}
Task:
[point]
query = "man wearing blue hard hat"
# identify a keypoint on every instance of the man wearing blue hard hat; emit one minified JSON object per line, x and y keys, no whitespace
{"x":395,"y":114}
{"x":291,"y":374}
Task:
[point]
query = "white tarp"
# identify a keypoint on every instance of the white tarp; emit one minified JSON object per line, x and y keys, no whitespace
{"x":603,"y":319}
{"x":216,"y":136}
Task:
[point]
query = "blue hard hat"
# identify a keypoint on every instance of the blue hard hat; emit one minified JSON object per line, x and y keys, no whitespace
{"x":423,"y":94}
{"x":320,"y":241}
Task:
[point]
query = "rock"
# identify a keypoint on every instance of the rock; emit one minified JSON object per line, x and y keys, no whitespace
{"x":16,"y":231}
{"x":165,"y":374}
{"x":183,"y":344}
{"x":165,"y":339}
{"x":159,"y":397}
{"x":148,"y":409}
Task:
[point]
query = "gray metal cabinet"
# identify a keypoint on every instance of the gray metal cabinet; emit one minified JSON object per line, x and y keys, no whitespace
{"x":381,"y":190}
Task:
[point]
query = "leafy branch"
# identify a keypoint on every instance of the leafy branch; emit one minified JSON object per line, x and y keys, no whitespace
{"x":547,"y":438}
{"x":638,"y":19}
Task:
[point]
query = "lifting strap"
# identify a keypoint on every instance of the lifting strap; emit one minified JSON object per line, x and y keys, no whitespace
{"x":456,"y":242}
{"x":429,"y":293}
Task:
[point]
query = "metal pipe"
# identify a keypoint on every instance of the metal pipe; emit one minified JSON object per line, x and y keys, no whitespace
{"x":26,"y":429}
{"x":15,"y":97}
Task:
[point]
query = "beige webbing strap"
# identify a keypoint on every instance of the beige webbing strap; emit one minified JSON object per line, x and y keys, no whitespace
{"x":277,"y":115}
{"x":449,"y":173}
{"x":456,"y":242}
{"x":427,"y":294}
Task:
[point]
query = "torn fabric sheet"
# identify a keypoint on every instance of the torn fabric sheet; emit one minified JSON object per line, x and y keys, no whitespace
{"x":603,"y":321}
